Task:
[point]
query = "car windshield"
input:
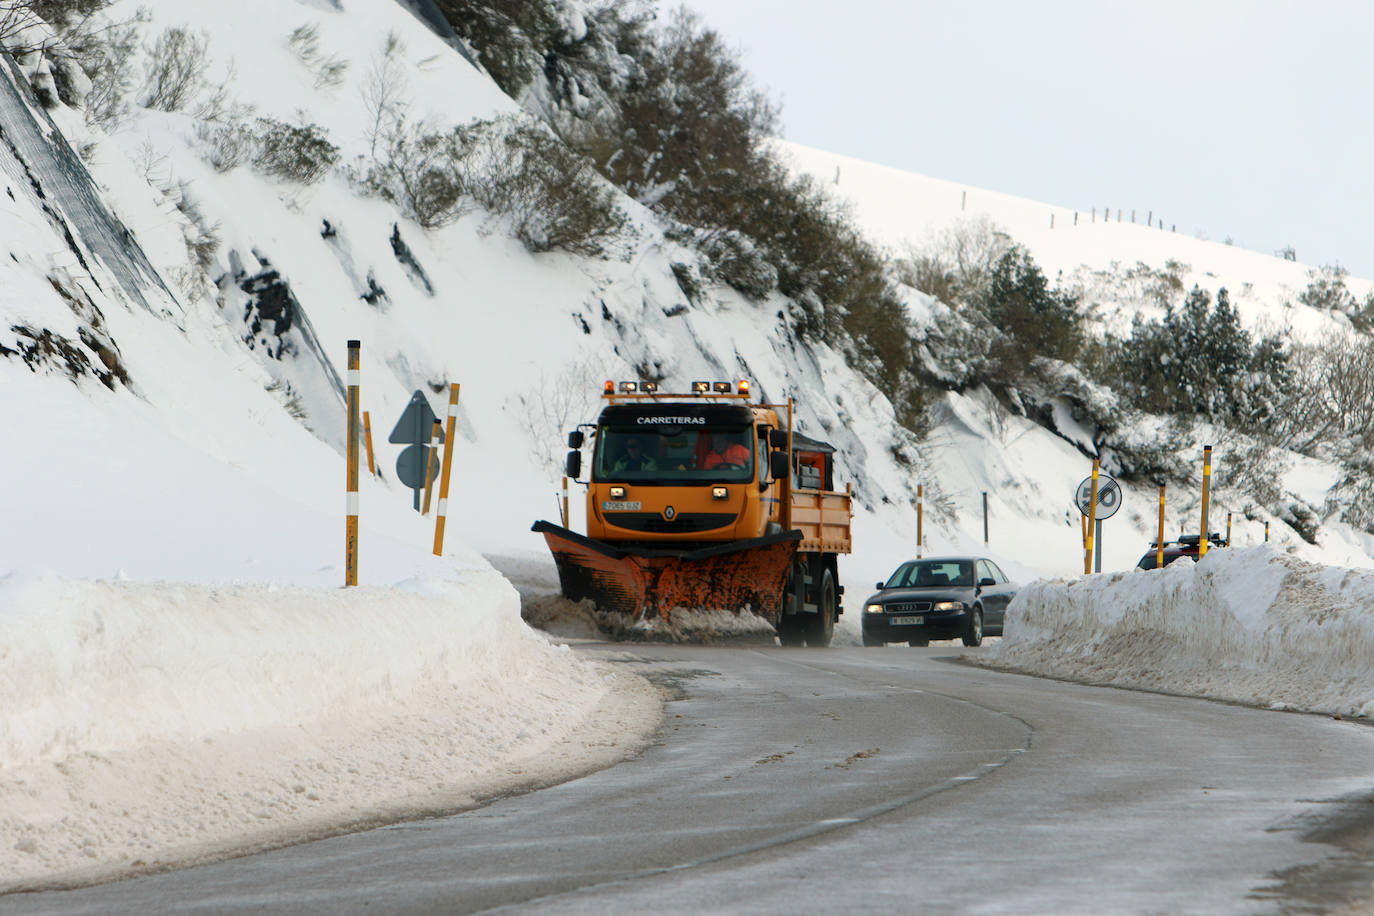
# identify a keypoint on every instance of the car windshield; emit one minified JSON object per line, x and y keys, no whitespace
{"x":674,"y":454}
{"x":933,"y":573}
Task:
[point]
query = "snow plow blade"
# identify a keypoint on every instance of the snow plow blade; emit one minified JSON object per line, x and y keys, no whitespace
{"x":643,"y":582}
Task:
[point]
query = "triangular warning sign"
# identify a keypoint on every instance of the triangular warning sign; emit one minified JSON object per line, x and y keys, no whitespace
{"x":416,"y":423}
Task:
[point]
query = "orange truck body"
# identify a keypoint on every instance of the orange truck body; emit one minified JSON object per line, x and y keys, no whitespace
{"x":667,"y":529}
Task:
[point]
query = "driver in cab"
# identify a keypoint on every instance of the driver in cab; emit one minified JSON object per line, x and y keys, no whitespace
{"x":725,"y":452}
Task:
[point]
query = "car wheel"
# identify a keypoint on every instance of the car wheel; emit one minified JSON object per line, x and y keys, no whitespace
{"x":820,"y":627}
{"x":874,"y":640}
{"x":918,"y":643}
{"x":973,"y":636}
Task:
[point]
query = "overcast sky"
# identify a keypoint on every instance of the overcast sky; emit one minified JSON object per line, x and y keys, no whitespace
{"x":1240,"y":119}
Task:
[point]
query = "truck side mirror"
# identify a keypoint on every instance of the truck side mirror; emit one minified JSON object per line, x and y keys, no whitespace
{"x":574,"y":468}
{"x":777,"y":438}
{"x":575,"y":440}
{"x":778,"y":465}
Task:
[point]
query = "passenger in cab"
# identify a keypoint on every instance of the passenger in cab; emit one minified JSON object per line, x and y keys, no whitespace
{"x":635,"y":458}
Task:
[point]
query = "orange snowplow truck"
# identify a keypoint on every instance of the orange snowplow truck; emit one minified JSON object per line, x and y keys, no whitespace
{"x":706,"y":501}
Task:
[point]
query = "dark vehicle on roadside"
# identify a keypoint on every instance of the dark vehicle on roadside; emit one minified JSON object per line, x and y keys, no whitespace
{"x":1185,"y":546}
{"x":938,"y":598}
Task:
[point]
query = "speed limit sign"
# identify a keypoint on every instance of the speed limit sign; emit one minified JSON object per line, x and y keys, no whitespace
{"x":1108,"y":496}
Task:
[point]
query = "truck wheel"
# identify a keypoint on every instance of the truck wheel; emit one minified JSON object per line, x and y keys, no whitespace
{"x":820,"y":627}
{"x":790,"y":629}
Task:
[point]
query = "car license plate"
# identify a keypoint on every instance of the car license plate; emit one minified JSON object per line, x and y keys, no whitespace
{"x":611,"y":505}
{"x":907,"y":621}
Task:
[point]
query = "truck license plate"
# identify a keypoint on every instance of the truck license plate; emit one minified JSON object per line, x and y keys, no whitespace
{"x":611,"y":505}
{"x":907,"y":621}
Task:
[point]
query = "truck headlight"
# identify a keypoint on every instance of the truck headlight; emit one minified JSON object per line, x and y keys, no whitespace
{"x":874,"y":609}
{"x":948,"y":606}
{"x":617,"y":492}
{"x":720,"y":493}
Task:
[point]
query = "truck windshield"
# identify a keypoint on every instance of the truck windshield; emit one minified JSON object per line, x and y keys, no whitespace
{"x":675,"y":454}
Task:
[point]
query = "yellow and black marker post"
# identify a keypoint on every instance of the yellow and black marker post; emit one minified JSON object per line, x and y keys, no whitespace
{"x":1092,"y":521}
{"x":920,"y":511}
{"x":1206,"y":485}
{"x":442,"y":514}
{"x":351,"y":543}
{"x":367,"y":438}
{"x":1159,"y":546}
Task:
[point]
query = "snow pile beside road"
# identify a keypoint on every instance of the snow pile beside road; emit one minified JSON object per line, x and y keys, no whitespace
{"x":1253,"y":626}
{"x":150,"y":725}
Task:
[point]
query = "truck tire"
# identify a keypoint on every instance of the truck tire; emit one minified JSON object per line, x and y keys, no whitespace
{"x":790,"y":626}
{"x":820,"y":627}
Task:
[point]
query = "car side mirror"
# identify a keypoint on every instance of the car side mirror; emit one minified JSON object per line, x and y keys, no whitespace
{"x":881,"y":585}
{"x":575,"y":439}
{"x":777,"y":438}
{"x":574,"y":467}
{"x":777,"y":465}
{"x":986,"y":582}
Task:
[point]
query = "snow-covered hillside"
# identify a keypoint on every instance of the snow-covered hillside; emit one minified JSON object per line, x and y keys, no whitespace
{"x":172,"y":353}
{"x":1030,"y":473}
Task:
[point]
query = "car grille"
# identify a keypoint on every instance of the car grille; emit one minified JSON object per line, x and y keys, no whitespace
{"x":684,"y":522}
{"x":907,"y":607}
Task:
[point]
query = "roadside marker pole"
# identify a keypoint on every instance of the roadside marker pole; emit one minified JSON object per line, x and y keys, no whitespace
{"x":367,"y":436}
{"x":1092,"y":523}
{"x":1266,"y":532}
{"x":920,"y":511}
{"x":1159,"y":546}
{"x":1228,"y":529}
{"x":351,"y":541}
{"x":565,"y":500}
{"x":448,"y":468}
{"x":431,"y":460}
{"x":985,"y":518}
{"x":1206,"y":483}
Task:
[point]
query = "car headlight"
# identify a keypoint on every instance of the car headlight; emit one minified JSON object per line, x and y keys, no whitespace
{"x":948,"y":606}
{"x":874,"y":609}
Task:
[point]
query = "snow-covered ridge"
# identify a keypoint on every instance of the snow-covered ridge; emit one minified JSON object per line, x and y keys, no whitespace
{"x":1253,"y":626}
{"x":148,"y":725}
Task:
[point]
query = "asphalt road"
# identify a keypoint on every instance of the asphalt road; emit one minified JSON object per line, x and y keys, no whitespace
{"x":875,"y":780}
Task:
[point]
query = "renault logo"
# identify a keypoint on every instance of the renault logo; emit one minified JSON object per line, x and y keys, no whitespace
{"x":669,"y":512}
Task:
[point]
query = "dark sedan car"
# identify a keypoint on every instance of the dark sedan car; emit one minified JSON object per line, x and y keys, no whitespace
{"x":938,"y":598}
{"x":1185,"y":546}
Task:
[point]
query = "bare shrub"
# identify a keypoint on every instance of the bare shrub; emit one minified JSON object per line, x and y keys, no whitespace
{"x":967,"y":253}
{"x":383,"y":93}
{"x":175,"y":74}
{"x":422,"y":172}
{"x":554,"y":405}
{"x":225,"y":146}
{"x":1330,"y":405}
{"x":301,"y":154}
{"x":329,"y":69}
{"x":554,"y":197}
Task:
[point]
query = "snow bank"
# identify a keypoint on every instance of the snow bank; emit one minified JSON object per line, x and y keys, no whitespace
{"x":151,"y":725}
{"x":1253,"y":626}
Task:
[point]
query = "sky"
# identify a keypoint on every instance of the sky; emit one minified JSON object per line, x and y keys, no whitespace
{"x":1236,"y":119}
{"x":184,"y":675}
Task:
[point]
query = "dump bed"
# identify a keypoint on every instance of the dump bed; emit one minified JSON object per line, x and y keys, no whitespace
{"x":821,"y":514}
